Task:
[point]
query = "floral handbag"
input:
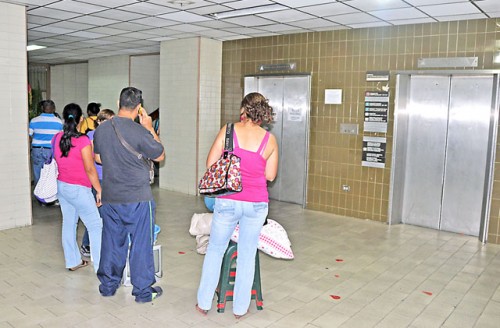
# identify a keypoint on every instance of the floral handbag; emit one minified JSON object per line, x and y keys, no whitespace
{"x":224,"y":176}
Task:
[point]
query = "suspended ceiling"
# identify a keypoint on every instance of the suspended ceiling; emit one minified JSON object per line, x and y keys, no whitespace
{"x":75,"y":31}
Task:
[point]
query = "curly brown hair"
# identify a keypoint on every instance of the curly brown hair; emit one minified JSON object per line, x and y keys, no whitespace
{"x":256,"y":108}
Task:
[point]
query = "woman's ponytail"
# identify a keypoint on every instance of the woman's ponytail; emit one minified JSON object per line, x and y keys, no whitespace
{"x":72,"y":115}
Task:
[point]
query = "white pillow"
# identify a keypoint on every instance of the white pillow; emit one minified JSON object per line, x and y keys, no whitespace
{"x":273,"y":240}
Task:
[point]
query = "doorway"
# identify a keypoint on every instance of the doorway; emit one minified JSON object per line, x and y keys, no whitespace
{"x":289,"y":95}
{"x":443,"y":150}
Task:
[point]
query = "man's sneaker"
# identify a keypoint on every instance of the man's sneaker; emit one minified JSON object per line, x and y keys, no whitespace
{"x":85,"y":251}
{"x":155,"y":293}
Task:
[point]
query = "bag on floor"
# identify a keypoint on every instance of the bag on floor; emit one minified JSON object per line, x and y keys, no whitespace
{"x":46,"y":188}
{"x":273,"y":240}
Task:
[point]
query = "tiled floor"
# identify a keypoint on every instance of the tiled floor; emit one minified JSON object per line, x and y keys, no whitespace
{"x":347,"y":273}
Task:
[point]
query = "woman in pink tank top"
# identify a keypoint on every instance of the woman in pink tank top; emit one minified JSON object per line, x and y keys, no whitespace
{"x":258,"y":151}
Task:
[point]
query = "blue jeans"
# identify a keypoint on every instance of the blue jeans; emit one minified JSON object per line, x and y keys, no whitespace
{"x":38,"y":158}
{"x":227,"y":213}
{"x":85,"y":238}
{"x":78,"y":202}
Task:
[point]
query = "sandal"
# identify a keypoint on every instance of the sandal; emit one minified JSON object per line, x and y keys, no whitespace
{"x":202,"y":312}
{"x":81,"y":265}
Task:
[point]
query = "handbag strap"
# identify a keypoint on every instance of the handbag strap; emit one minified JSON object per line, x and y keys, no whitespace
{"x":128,"y":146}
{"x":228,"y":143}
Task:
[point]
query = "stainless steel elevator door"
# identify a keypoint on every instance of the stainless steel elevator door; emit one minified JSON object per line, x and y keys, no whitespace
{"x":290,"y":98}
{"x":447,"y":149}
{"x":426,"y":140}
{"x":466,"y":153}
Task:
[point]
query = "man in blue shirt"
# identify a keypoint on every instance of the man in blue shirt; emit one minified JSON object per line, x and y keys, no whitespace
{"x":41,"y":130}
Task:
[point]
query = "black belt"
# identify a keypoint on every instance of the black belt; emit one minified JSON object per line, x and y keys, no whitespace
{"x":41,"y":147}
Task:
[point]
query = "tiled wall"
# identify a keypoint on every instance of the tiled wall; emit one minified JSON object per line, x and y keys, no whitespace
{"x":15,"y":189}
{"x":339,"y":60}
{"x":210,"y":99}
{"x":107,"y":77}
{"x":145,"y":75}
{"x":69,"y":84}
{"x":190,"y":71}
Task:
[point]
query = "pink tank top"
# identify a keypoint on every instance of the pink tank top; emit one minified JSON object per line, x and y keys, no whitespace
{"x":253,"y":177}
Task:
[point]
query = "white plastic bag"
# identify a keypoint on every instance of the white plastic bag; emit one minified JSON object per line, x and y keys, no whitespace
{"x":46,"y":188}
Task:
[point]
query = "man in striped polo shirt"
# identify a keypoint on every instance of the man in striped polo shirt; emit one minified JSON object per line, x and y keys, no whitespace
{"x":41,"y":130}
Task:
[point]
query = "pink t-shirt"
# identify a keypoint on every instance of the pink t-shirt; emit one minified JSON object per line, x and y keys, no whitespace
{"x":71,"y":169}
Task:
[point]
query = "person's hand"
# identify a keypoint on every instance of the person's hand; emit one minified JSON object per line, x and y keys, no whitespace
{"x":145,"y":120}
{"x":98,"y":199}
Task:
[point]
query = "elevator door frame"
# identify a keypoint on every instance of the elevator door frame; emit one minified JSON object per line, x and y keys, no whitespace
{"x":399,"y":155}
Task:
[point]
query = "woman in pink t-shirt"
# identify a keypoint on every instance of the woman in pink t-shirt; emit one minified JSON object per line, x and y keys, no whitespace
{"x":258,"y":151}
{"x":77,"y":175}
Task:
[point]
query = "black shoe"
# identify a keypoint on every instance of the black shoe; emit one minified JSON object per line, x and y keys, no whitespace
{"x":155,"y":293}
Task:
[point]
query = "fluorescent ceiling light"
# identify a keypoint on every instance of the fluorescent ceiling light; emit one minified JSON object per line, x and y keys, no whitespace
{"x":248,"y":11}
{"x":34,"y":47}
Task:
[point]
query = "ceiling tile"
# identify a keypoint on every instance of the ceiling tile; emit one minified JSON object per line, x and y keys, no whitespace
{"x":41,"y":20}
{"x":110,"y":3}
{"x":154,"y":22}
{"x":403,"y":13}
{"x":53,"y":29}
{"x":301,"y":3}
{"x":284,"y":16}
{"x":154,"y":32}
{"x":460,"y":17}
{"x":450,"y":9}
{"x":353,"y":18}
{"x":195,"y":4}
{"x":489,"y":6}
{"x":276,"y":28}
{"x":107,"y":30}
{"x":365,"y":25}
{"x":119,"y":14}
{"x":364,"y":5}
{"x":247,"y":3}
{"x":431,"y":2}
{"x":188,"y":28}
{"x":129,"y":26}
{"x":165,"y":38}
{"x":148,"y":9}
{"x":88,"y":35}
{"x":249,"y":21}
{"x":94,"y":20}
{"x":313,"y":23}
{"x":413,"y":21}
{"x":52,"y":13}
{"x":215,"y":24}
{"x":329,"y":9}
{"x":185,"y":17}
{"x":72,"y":25}
{"x":210,"y":10}
{"x":77,"y":7}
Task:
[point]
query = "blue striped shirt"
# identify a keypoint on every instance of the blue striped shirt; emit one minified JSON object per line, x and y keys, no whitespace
{"x":43,"y":128}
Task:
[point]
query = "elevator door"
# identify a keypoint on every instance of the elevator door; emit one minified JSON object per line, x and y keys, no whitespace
{"x":446,"y":151}
{"x":290,"y":98}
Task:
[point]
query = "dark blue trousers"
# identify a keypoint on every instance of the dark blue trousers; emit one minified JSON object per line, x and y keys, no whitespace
{"x":120,"y":220}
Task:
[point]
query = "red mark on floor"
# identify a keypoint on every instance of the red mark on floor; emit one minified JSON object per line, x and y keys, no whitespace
{"x":427,"y":293}
{"x":337,"y":276}
{"x":339,"y":260}
{"x":182,"y":253}
{"x":335,"y":297}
